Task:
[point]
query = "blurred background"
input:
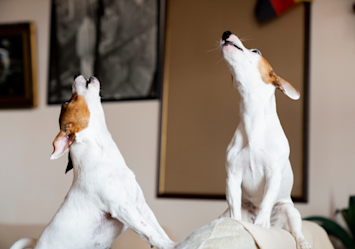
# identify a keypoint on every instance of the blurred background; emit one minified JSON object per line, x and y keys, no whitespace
{"x":32,"y":187}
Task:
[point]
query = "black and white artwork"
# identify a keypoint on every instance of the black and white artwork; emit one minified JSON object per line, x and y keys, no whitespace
{"x":11,"y":66}
{"x":18,"y":82}
{"x":115,"y":40}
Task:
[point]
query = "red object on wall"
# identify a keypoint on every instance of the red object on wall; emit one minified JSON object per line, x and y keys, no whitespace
{"x":281,"y":5}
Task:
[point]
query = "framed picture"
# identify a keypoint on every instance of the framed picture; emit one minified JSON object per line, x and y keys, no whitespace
{"x":115,"y":40}
{"x":200,"y":106}
{"x":18,"y":71}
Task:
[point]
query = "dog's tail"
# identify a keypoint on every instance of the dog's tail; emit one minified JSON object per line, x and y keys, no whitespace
{"x":24,"y":243}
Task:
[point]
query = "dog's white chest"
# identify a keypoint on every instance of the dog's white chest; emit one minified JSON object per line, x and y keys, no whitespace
{"x":250,"y":166}
{"x":253,"y":185}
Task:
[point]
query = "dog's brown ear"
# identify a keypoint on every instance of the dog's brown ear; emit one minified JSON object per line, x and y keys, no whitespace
{"x":62,"y":143}
{"x":269,"y":77}
{"x":286,"y":87}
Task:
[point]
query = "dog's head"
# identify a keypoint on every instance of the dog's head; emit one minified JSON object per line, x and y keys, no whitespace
{"x":75,"y":114}
{"x":250,"y":68}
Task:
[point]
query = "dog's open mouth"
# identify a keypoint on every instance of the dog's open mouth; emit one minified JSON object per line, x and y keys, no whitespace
{"x":88,"y":81}
{"x":231,"y":43}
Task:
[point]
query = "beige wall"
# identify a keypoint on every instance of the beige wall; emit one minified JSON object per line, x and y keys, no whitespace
{"x":332,"y":134}
{"x":32,"y":187}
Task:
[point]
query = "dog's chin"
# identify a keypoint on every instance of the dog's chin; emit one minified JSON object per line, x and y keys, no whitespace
{"x":228,"y":48}
{"x":94,"y":91}
{"x":230,"y":58}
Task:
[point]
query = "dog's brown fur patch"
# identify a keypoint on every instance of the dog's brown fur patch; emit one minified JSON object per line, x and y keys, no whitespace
{"x":74,"y":117}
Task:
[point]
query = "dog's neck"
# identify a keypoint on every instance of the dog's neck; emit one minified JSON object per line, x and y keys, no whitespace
{"x":93,"y":144}
{"x":257,"y":107}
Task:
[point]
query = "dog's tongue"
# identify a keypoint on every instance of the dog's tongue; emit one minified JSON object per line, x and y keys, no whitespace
{"x":70,"y":164}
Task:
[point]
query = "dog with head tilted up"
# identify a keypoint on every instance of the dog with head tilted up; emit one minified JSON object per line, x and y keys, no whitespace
{"x":259,"y":174}
{"x":104,"y":198}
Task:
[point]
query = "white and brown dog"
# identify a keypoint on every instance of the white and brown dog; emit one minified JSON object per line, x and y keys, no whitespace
{"x":259,"y":174}
{"x":104,"y":198}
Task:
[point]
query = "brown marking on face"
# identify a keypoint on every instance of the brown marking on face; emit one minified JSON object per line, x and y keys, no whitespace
{"x":74,"y":117}
{"x":269,"y":76}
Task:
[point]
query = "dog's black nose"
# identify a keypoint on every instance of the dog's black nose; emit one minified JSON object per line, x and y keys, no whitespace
{"x":75,"y":76}
{"x":226,"y":35}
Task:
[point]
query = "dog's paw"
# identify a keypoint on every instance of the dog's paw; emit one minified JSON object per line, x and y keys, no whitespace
{"x":303,"y":245}
{"x":171,"y":245}
{"x":262,"y":222}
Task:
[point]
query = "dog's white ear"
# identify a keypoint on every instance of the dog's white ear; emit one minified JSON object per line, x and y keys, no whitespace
{"x":61,"y":144}
{"x":287,"y":88}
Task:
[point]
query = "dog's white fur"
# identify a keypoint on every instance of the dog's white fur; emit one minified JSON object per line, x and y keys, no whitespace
{"x":104,"y":198}
{"x":259,"y":175}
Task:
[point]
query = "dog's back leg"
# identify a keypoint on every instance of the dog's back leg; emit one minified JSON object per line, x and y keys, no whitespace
{"x":287,"y":217}
{"x":24,"y":243}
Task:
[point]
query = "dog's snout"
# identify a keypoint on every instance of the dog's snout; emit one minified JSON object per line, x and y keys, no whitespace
{"x":226,"y":35}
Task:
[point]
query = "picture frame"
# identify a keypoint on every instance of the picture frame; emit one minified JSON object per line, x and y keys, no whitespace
{"x":18,"y":66}
{"x":197,"y":125}
{"x":117,"y":41}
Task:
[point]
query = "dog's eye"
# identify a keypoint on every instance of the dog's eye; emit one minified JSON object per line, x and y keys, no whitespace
{"x":256,"y":51}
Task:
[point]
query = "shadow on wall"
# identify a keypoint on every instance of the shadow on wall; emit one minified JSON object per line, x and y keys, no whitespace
{"x":9,"y":234}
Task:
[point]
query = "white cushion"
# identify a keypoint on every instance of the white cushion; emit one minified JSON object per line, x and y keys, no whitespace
{"x":222,"y":233}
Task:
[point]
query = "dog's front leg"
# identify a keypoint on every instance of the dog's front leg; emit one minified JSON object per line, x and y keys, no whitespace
{"x":234,"y":195}
{"x":271,"y":192}
{"x":148,"y":214}
{"x":129,"y":215}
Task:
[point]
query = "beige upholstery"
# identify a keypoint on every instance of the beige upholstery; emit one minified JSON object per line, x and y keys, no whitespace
{"x":219,"y":234}
{"x":9,"y":234}
{"x":231,"y":234}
